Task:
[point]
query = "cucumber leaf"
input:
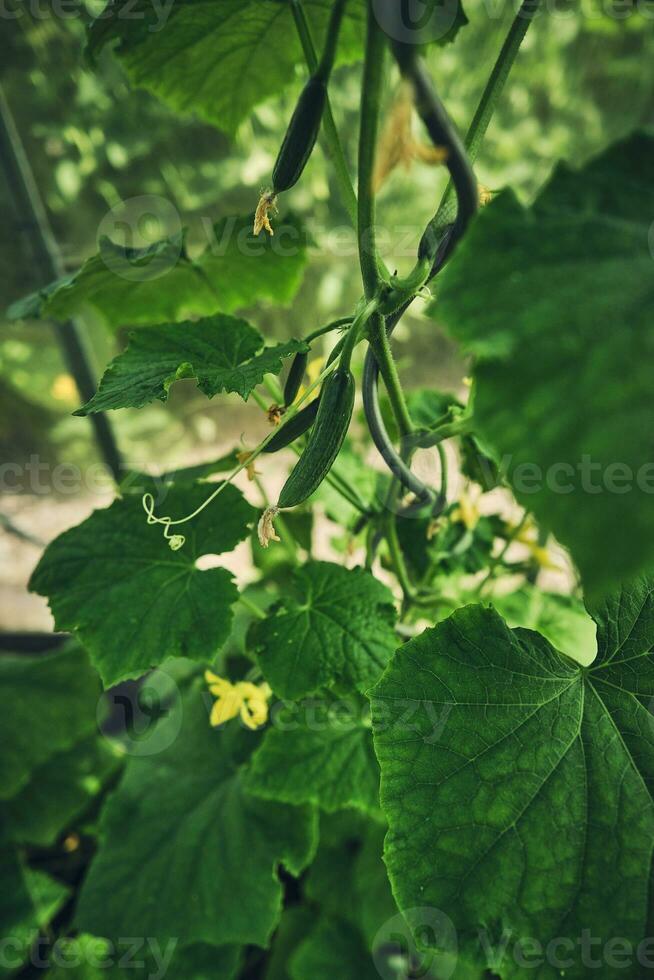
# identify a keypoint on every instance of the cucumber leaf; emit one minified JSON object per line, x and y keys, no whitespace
{"x":59,"y":790}
{"x":315,"y":756}
{"x":530,"y":811}
{"x":333,"y":626}
{"x":133,"y":601}
{"x":333,"y":948}
{"x":221,"y":352}
{"x":28,"y":901}
{"x":50,"y":704}
{"x":217,"y":60}
{"x":160,"y":283}
{"x":207,"y":852}
{"x":555,"y":301}
{"x":348,"y":879}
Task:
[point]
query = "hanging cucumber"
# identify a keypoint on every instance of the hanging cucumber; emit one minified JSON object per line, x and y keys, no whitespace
{"x":300,"y":137}
{"x":303,"y":129}
{"x":298,"y":425}
{"x":295,"y":377}
{"x":294,"y":428}
{"x":329,"y":431}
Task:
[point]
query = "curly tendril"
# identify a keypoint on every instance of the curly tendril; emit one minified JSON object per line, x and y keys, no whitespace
{"x":177,"y":541}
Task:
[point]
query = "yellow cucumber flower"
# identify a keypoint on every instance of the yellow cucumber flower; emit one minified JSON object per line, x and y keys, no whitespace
{"x":527,"y":534}
{"x":543,"y":557}
{"x":248,"y":700}
{"x":467,"y":512}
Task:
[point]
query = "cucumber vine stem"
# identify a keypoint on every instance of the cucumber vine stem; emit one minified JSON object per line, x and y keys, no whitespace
{"x":397,"y":559}
{"x":252,"y":607}
{"x":326,"y":63}
{"x":441,"y":235}
{"x":379,"y":342}
{"x":342,"y":321}
{"x":488,"y":102}
{"x":332,"y":139}
{"x":443,"y":134}
{"x":371,"y":91}
{"x":495,"y":563}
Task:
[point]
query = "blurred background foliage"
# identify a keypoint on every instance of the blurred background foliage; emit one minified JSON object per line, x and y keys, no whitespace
{"x":583,"y":78}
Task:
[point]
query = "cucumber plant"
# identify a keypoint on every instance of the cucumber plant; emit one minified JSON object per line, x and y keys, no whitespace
{"x":417,"y":758}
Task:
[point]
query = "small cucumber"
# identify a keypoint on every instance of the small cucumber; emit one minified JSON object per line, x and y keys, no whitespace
{"x":325,"y":441}
{"x":294,"y":428}
{"x":301,"y":135}
{"x":295,"y":377}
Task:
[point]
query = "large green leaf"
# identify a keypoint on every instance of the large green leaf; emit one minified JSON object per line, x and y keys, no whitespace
{"x":560,"y":618}
{"x":186,"y":852}
{"x":216,"y":59}
{"x":161,"y":283}
{"x":126,"y":286}
{"x":59,"y":790}
{"x":529,"y":812}
{"x":333,"y":626}
{"x":28,"y":902}
{"x":50,"y":704}
{"x":318,"y":754}
{"x":134,"y":601}
{"x":223,"y":353}
{"x":555,"y":300}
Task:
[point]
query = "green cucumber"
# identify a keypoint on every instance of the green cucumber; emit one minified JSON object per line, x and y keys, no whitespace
{"x":325,"y":441}
{"x":301,"y":135}
{"x":294,"y":428}
{"x":295,"y":377}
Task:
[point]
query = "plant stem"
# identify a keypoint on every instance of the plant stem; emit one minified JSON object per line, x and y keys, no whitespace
{"x":442,"y":457}
{"x":395,"y":462}
{"x":382,"y":349}
{"x":334,"y":147}
{"x":334,"y":325}
{"x":489,"y":99}
{"x":446,"y":430}
{"x":32,"y":222}
{"x":273,"y":387}
{"x":397,"y":558}
{"x":251,"y":607}
{"x":326,"y":63}
{"x":496,"y":561}
{"x":373,"y":71}
{"x":443,"y":133}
